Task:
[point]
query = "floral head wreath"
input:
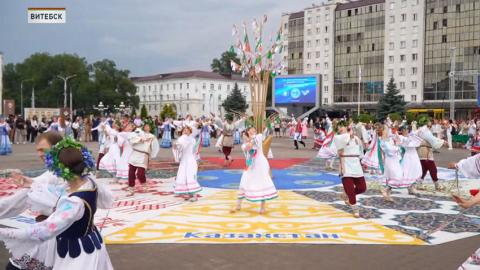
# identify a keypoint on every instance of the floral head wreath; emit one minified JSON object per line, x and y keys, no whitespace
{"x":53,"y":163}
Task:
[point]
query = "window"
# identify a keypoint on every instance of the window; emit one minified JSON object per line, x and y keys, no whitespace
{"x":432,"y":10}
{"x":390,"y":73}
{"x":317,"y":42}
{"x":317,"y":65}
{"x":326,"y":29}
{"x":219,"y":87}
{"x":300,"y":55}
{"x":349,"y":13}
{"x":228,"y":87}
{"x":204,"y":86}
{"x":435,"y":25}
{"x":414,"y":98}
{"x":415,"y":17}
{"x":168,"y":86}
{"x":203,"y":107}
{"x":219,"y":97}
{"x":403,"y":44}
{"x":402,"y":58}
{"x":392,"y":19}
{"x":326,"y":41}
{"x":370,"y":9}
{"x":402,"y":85}
{"x":318,"y":30}
{"x":174,"y":85}
{"x":161,"y":87}
{"x":391,"y":59}
{"x":356,"y":11}
{"x":445,"y":9}
{"x":212,"y":87}
{"x":174,"y":97}
{"x":308,"y":66}
{"x":309,"y":31}
{"x":203,"y":96}
{"x":309,"y":20}
{"x":325,"y":89}
{"x":317,"y":54}
{"x":349,"y":37}
{"x":402,"y":72}
{"x":325,"y":101}
{"x":414,"y":84}
{"x":373,"y":46}
{"x":458,"y":8}
{"x":325,"y":77}
{"x":188,"y":85}
{"x":188,"y":107}
{"x":188,"y":96}
{"x":444,"y":22}
{"x":415,"y":43}
{"x":293,"y":56}
{"x":404,"y":17}
{"x":309,"y":43}
{"x":444,"y":38}
{"x":359,"y":48}
{"x":308,"y":55}
{"x":414,"y":56}
{"x":325,"y":65}
{"x":391,"y":45}
{"x":414,"y":71}
{"x":348,"y":74}
{"x":181,"y":86}
{"x":348,"y":49}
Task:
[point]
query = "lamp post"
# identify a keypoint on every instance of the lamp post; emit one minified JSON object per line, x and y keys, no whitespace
{"x":120,"y":108}
{"x":21,"y":95}
{"x":65,"y":79}
{"x":101,"y":108}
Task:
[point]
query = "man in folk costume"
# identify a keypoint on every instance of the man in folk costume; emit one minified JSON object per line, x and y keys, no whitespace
{"x":103,"y":143}
{"x":297,"y":136}
{"x":145,"y":147}
{"x":425,"y":153}
{"x":350,"y":150}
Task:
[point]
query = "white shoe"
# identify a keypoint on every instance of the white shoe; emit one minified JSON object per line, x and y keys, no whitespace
{"x":355,"y":210}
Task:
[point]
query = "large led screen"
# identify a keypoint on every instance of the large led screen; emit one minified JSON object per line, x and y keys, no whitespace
{"x":296,"y":90}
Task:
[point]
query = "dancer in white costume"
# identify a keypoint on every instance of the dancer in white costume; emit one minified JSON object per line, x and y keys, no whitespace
{"x":411,"y":166}
{"x":110,"y":161}
{"x":30,"y":198}
{"x":186,"y":181}
{"x":256,"y":185}
{"x":124,"y":144}
{"x":469,"y":167}
{"x":78,"y":245}
{"x":328,"y":150}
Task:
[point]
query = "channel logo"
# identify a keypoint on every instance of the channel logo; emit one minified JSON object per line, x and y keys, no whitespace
{"x":46,"y":15}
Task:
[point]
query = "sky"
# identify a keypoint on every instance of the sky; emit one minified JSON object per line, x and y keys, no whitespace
{"x":145,"y":36}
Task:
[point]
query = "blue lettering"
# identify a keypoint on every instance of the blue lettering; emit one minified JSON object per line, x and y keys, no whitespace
{"x":279,"y":235}
{"x":191,"y":235}
{"x":213,"y":235}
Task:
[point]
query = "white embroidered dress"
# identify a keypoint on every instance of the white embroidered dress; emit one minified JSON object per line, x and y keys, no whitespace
{"x":256,"y":183}
{"x":186,"y":180}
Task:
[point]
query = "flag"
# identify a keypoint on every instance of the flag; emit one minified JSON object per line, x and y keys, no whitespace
{"x":246,"y":43}
{"x":234,"y":30}
{"x":269,"y":54}
{"x":259,"y":46}
{"x":235,"y":66}
{"x":231,"y":49}
{"x":264,"y":18}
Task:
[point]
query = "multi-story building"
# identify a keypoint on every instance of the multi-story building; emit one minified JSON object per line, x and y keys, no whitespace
{"x":319,"y":46}
{"x":359,"y":53}
{"x":295,"y":42}
{"x":190,"y":92}
{"x":451,"y":24}
{"x":284,"y":27}
{"x":404,"y":46}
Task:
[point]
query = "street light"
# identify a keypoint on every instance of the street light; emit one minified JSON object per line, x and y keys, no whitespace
{"x":21,"y":94}
{"x":101,"y":108}
{"x":120,"y":108}
{"x":65,"y":79}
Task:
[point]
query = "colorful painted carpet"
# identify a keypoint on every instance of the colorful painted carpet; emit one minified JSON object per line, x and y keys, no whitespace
{"x":308,"y":210}
{"x":239,"y":163}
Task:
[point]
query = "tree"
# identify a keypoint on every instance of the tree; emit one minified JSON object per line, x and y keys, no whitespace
{"x":100,"y":81}
{"x":143,"y":112}
{"x":390,"y":102}
{"x":235,"y":102}
{"x":223,"y":65}
{"x":167,"y":112}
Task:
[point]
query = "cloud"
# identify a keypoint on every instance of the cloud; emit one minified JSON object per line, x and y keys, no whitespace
{"x":146,"y":37}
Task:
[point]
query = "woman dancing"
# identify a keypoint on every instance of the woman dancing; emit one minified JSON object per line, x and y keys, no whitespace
{"x":256,"y":185}
{"x":186,"y":183}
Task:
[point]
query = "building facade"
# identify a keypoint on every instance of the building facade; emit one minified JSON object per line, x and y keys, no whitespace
{"x":319,"y":46}
{"x":190,"y":92}
{"x":295,"y":42}
{"x":359,"y":53}
{"x":451,"y":24}
{"x":404,"y":46}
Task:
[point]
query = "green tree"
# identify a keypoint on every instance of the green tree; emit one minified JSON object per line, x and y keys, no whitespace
{"x":100,"y":81}
{"x":390,"y":102}
{"x":168,"y":112}
{"x":143,"y":112}
{"x":223,"y":65}
{"x":235,"y":102}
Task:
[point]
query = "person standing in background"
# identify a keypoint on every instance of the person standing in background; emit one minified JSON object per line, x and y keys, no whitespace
{"x":20,"y":130}
{"x":34,"y":126}
{"x":87,"y":133}
{"x":95,"y":124}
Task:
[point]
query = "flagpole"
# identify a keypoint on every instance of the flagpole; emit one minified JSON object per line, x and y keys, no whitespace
{"x":359,"y":85}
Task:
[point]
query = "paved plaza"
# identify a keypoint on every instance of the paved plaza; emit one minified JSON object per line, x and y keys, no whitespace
{"x":152,"y":246}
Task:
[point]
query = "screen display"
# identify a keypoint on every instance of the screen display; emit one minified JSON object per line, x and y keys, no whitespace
{"x":296,"y":90}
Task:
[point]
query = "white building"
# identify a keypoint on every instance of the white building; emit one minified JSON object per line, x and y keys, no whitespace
{"x":404,"y":46}
{"x":191,"y":92}
{"x":319,"y":41}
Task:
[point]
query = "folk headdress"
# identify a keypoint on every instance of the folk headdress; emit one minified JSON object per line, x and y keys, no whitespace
{"x":52,"y":161}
